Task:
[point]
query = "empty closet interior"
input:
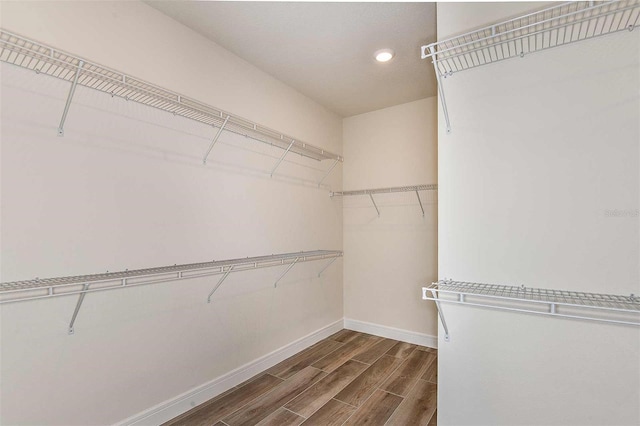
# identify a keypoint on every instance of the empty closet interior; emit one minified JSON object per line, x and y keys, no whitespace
{"x":320,"y":213}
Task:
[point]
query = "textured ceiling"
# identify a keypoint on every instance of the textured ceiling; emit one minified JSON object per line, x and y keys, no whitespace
{"x":325,"y":50}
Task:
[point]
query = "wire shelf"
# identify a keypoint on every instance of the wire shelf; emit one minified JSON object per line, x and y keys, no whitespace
{"x":44,"y":59}
{"x":413,"y":188}
{"x":17,"y":291}
{"x":551,"y":27}
{"x":370,"y":192}
{"x":607,"y":308}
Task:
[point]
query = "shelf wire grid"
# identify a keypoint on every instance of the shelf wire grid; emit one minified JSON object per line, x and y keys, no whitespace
{"x":43,"y":59}
{"x":61,"y":286}
{"x":528,"y":294}
{"x":413,"y":188}
{"x":555,"y":26}
{"x":590,"y":306}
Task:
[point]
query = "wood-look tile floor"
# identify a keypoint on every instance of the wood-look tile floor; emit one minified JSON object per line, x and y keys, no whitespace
{"x":349,"y":378}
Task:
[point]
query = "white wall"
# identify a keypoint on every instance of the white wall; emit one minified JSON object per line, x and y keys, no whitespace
{"x":126,"y":188}
{"x":388,"y":258}
{"x":541,"y":147}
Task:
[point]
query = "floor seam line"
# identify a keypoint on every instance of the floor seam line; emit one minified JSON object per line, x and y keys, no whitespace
{"x":342,"y":402}
{"x":297,"y":414}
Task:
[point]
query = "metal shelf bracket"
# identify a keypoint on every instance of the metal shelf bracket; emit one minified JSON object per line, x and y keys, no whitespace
{"x":285,"y":272}
{"x":374,"y":204}
{"x":440,"y":312}
{"x":77,"y":310}
{"x":215,"y":139}
{"x":327,"y":266}
{"x":72,"y":90}
{"x":443,"y":101}
{"x":420,"y":201}
{"x":335,"y":162}
{"x":284,"y":154}
{"x":224,"y":277}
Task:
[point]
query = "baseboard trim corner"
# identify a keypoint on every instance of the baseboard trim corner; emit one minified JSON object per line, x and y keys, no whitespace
{"x":392,"y":333}
{"x":184,"y":402}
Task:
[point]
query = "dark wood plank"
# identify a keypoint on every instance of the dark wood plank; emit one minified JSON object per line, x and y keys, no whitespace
{"x":216,"y":409}
{"x":376,"y":411}
{"x":333,"y":413}
{"x":266,"y":404}
{"x":418,"y":407}
{"x":363,"y":386}
{"x":344,"y":335}
{"x":282,"y":417}
{"x":431,"y":374}
{"x":317,"y":395}
{"x":434,"y":419}
{"x":341,"y":355}
{"x":292,"y":365}
{"x":401,"y":350}
{"x":372,"y":354}
{"x":411,"y":369}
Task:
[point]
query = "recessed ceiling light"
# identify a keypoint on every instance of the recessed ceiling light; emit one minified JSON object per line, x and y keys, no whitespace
{"x":384,"y":55}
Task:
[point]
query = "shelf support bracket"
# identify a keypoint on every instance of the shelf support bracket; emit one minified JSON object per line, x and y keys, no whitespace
{"x":285,"y":272}
{"x":69,"y":98}
{"x":215,"y":139}
{"x":282,"y":158}
{"x":374,"y":204}
{"x":327,"y":266}
{"x":224,"y":277}
{"x":77,"y":310}
{"x":440,"y":313}
{"x":420,"y":201}
{"x":328,"y":171}
{"x":432,"y":49}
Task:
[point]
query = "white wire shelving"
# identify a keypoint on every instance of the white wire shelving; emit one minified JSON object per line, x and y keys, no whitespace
{"x":606,"y":308}
{"x":43,"y":59}
{"x":20,"y":291}
{"x":370,"y":192}
{"x":551,"y":27}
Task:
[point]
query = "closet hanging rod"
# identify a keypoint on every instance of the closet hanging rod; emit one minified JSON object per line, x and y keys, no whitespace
{"x":608,"y":308}
{"x":551,"y":27}
{"x":43,"y":59}
{"x":18,"y":291}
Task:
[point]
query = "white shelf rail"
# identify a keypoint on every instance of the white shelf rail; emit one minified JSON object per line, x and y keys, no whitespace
{"x":20,"y":291}
{"x":43,"y":59}
{"x":370,"y":192}
{"x":551,"y":27}
{"x":606,"y":308}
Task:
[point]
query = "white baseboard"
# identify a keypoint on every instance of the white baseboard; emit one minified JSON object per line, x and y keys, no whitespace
{"x":167,"y":410}
{"x":392,"y":333}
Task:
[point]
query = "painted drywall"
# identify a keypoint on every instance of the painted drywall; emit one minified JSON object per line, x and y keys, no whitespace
{"x":389,"y":258}
{"x":541,"y":149}
{"x":126,"y":188}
